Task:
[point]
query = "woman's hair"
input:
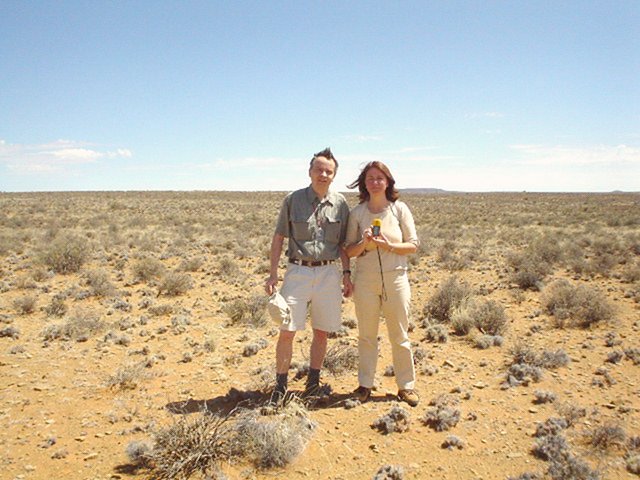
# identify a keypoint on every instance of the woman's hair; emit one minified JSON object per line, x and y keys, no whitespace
{"x":391,"y":192}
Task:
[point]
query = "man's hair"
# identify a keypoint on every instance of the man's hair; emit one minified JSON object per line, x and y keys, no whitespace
{"x":326,"y":153}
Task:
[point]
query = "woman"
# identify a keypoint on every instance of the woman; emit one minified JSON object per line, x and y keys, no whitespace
{"x":381,"y":233}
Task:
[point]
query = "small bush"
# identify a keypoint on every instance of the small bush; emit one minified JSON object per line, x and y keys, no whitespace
{"x":272,"y":440}
{"x":139,"y":453}
{"x":462,"y":320}
{"x":193,"y":444}
{"x":248,"y":311}
{"x":441,"y":417}
{"x":25,"y":305}
{"x":448,"y":297}
{"x":397,"y":420}
{"x":10,"y":332}
{"x":174,"y":284}
{"x":483,"y":342}
{"x":527,"y":476}
{"x":581,"y":306}
{"x":550,"y":447}
{"x":528,"y":365}
{"x":528,"y":272}
{"x":66,"y":254}
{"x":99,"y":283}
{"x":191,"y":265}
{"x":490,"y":318}
{"x":633,"y":464}
{"x":542,"y":397}
{"x":551,"y":426}
{"x":228,"y":269}
{"x":389,"y":472}
{"x":607,"y":436}
{"x":452,"y":442}
{"x":436,"y":334}
{"x":57,"y":307}
{"x":341,"y":359}
{"x":570,"y":467}
{"x":79,"y":326}
{"x":147,"y":268}
{"x":128,"y":377}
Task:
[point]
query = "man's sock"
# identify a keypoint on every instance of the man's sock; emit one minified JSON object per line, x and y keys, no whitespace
{"x":314,"y":377}
{"x":281,"y":382}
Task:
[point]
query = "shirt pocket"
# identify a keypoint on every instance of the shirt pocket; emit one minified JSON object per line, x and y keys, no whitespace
{"x":301,"y":231}
{"x":332,"y":230}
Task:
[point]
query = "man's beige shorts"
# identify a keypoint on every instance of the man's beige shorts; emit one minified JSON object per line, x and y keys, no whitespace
{"x":317,"y":286}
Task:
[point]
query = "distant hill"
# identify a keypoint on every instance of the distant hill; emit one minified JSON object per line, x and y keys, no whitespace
{"x":423,"y":190}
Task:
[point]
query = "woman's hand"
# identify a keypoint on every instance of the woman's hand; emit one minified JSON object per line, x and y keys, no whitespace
{"x":382,"y":242}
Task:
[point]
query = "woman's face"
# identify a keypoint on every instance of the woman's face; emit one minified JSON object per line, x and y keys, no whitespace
{"x":375,"y":181}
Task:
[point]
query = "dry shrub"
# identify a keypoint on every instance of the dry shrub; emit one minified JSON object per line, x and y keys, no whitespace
{"x":99,"y":282}
{"x":147,"y":268}
{"x":527,"y":366}
{"x":341,"y":359}
{"x":488,"y":316}
{"x":570,"y":467}
{"x":228,"y":269}
{"x":66,"y":254}
{"x":57,"y":307}
{"x":462,"y":319}
{"x":272,"y":440}
{"x":436,"y":333}
{"x":389,"y":472}
{"x":247,"y":311}
{"x":607,"y":436}
{"x":449,"y":296}
{"x":528,"y":271}
{"x":128,"y":377}
{"x":79,"y":326}
{"x":25,"y":305}
{"x":192,"y":444}
{"x":191,"y":264}
{"x":397,"y":420}
{"x":441,"y":417}
{"x":580,"y":306}
{"x":174,"y":284}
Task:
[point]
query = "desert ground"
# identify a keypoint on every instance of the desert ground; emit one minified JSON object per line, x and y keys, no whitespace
{"x":134,"y":343}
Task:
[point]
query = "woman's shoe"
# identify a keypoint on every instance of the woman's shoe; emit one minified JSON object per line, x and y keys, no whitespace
{"x":362,"y":394}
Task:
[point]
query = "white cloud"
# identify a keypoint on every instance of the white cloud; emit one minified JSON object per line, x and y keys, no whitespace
{"x":541,"y":155}
{"x":52,"y":157}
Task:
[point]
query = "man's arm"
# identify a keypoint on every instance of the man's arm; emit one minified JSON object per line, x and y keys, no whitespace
{"x":347,"y":286}
{"x":274,"y":260}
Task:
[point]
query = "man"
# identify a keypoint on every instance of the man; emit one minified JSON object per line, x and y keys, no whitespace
{"x":315,"y":222}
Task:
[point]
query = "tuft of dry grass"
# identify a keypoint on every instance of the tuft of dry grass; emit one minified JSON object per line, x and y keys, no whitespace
{"x":272,"y":440}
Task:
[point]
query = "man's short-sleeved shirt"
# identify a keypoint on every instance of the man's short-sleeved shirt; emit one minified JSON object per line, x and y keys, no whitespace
{"x":315,"y":227}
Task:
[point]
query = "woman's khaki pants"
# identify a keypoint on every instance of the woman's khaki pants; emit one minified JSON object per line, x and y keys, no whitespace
{"x":369,"y":303}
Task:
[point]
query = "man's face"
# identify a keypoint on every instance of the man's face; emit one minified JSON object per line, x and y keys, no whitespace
{"x":322,"y":172}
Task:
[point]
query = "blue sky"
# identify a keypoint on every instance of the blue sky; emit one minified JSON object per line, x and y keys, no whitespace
{"x":213,"y":95}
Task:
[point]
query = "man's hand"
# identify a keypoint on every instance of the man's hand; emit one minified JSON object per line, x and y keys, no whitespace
{"x":270,"y":284}
{"x":347,"y":285}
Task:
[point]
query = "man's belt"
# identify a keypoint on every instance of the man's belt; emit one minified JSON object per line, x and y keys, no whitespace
{"x":313,"y":263}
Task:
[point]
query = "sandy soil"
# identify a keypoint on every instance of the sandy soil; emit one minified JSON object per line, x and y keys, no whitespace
{"x":61,"y":419}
